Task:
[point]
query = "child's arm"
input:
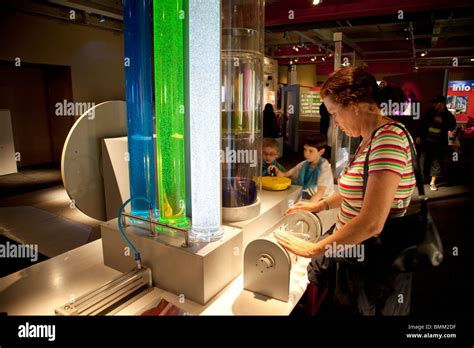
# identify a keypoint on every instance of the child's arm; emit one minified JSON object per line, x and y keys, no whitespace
{"x":278,"y":172}
{"x":319,"y":194}
{"x":325,"y":179}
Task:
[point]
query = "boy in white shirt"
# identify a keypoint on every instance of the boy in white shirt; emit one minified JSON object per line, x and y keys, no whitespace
{"x":314,"y":173}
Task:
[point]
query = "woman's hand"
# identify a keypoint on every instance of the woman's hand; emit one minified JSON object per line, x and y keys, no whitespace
{"x":296,"y":245}
{"x":305,"y":206}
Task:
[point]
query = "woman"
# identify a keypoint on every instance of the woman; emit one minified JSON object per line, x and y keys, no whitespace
{"x":270,"y":123}
{"x":351,"y":96}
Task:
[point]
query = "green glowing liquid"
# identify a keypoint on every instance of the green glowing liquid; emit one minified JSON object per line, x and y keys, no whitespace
{"x":168,"y":28}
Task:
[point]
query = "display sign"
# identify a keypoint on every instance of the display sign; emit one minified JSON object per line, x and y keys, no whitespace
{"x":310,"y":101}
{"x":461,"y":86}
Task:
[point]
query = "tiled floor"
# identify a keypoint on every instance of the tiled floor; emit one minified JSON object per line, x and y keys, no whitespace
{"x":52,"y":233}
{"x":45,"y":218}
{"x":29,"y":179}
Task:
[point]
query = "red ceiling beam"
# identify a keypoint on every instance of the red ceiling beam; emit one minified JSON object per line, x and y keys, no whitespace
{"x":278,"y":13}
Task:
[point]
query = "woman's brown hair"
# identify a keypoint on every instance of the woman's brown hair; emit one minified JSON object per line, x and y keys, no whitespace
{"x":349,"y":85}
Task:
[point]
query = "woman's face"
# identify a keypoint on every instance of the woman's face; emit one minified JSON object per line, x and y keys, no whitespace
{"x":344,"y":116}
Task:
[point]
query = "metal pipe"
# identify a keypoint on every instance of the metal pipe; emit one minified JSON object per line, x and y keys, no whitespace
{"x":157,"y":223}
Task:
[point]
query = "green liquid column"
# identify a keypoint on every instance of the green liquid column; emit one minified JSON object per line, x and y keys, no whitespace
{"x":168,"y":27}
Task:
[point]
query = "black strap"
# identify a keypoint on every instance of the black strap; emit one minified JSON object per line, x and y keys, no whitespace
{"x":414,"y":158}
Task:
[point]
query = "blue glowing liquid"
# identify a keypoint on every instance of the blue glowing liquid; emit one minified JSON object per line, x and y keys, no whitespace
{"x":139,"y":99}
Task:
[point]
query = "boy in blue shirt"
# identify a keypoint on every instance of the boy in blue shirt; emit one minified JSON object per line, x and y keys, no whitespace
{"x":314,"y":173}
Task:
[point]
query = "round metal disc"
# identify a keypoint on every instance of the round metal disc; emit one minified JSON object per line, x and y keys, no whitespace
{"x":304,"y":225}
{"x":81,"y":161}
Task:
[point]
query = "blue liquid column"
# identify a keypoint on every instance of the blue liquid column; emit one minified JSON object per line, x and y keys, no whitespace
{"x":138,"y":91}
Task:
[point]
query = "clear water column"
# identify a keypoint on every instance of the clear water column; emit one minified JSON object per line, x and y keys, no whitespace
{"x":168,"y":29}
{"x":139,"y":101}
{"x":242,"y":95}
{"x":204,"y":131}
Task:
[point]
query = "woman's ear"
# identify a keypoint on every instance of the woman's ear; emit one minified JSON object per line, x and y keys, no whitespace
{"x":355,"y":109}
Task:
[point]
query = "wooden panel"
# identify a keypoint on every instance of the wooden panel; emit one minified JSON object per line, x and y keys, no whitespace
{"x":59,"y":88}
{"x":22,"y":90}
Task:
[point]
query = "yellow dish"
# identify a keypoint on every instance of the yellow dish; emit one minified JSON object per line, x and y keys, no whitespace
{"x":275,"y":183}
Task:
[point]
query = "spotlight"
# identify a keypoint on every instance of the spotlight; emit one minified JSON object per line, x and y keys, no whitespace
{"x":101,"y":19}
{"x":472,"y":59}
{"x":330,"y":54}
{"x":317,"y":2}
{"x":424,"y":53}
{"x":323,"y":58}
{"x":296,"y":59}
{"x":291,"y":62}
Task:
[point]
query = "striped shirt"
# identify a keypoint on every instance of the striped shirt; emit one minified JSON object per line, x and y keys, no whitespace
{"x":390,"y":151}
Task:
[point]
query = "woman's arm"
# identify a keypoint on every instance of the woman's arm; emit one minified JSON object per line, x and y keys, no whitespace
{"x":333,"y":201}
{"x":381,"y":188}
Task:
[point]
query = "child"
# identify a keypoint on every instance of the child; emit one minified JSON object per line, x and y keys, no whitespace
{"x":270,"y":152}
{"x":314,"y":174}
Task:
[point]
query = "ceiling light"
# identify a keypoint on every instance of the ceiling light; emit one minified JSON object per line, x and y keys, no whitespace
{"x":424,"y":53}
{"x":101,"y":19}
{"x":330,"y":54}
{"x":296,"y":59}
{"x":317,"y":2}
{"x":472,"y":59}
{"x":291,"y":62}
{"x":323,"y":58}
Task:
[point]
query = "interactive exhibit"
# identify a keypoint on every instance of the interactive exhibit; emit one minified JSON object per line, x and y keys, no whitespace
{"x":188,"y":228}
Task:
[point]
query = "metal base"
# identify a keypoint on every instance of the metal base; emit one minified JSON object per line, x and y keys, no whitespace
{"x":267,"y":267}
{"x":104,"y":299}
{"x":197,"y":272}
{"x":241,"y":213}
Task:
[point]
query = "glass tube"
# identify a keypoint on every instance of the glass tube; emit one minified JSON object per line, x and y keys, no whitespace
{"x":139,"y":100}
{"x":168,"y":30}
{"x":242,"y":92}
{"x":204,"y":114}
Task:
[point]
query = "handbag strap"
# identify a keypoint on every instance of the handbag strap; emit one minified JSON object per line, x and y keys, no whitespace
{"x":414,"y":158}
